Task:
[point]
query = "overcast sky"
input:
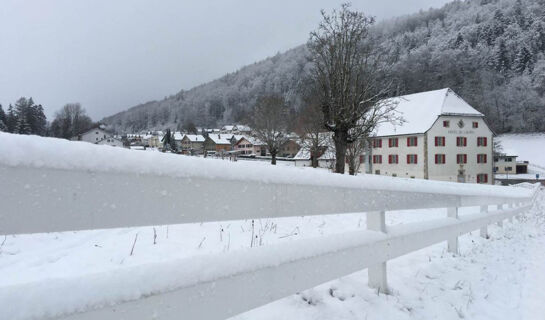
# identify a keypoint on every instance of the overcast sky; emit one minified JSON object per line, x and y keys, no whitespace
{"x":110,"y":55}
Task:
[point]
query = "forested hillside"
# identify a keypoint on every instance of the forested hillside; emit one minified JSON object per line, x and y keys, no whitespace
{"x":491,"y":52}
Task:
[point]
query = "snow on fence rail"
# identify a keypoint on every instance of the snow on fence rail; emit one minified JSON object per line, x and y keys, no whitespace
{"x":52,"y":185}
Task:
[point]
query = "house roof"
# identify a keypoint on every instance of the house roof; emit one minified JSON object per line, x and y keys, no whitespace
{"x":421,"y":110}
{"x":253,"y":140}
{"x":195,"y":137}
{"x":178,"y":135}
{"x":220,"y":138}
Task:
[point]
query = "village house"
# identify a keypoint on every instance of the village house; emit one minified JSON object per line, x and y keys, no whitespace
{"x":251,"y":146}
{"x":442,"y":138}
{"x":289,"y":149}
{"x":95,"y":135}
{"x":193,"y":144}
{"x":217,"y":143}
{"x":111,"y":141}
{"x":506,"y":163}
{"x":236,"y":129}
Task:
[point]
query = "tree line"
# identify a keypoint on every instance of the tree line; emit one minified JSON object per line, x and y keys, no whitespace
{"x":27,"y":117}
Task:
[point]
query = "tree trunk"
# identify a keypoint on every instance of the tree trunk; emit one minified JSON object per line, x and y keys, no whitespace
{"x":314,"y":158}
{"x":273,"y":158}
{"x":340,"y":138}
{"x":351,"y":167}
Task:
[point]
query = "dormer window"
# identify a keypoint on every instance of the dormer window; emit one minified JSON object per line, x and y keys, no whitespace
{"x":446,"y":124}
{"x":475,"y":124}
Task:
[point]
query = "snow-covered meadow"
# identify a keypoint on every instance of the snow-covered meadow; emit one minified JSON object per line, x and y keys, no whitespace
{"x":490,"y":278}
{"x":528,"y":147}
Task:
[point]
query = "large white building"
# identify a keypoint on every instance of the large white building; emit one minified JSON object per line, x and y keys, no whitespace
{"x":442,"y":138}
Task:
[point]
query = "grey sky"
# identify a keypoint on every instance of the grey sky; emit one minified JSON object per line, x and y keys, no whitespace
{"x":111,"y":55}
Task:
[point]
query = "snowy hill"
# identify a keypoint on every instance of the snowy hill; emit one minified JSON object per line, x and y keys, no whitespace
{"x":492,"y":53}
{"x":529,"y":147}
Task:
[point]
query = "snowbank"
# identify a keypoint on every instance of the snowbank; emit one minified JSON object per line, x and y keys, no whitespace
{"x":39,"y":152}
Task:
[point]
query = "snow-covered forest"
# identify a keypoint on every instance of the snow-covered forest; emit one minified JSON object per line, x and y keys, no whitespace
{"x":492,"y":52}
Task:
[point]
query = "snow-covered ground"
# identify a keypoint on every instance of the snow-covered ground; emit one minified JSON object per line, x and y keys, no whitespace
{"x":499,"y":278}
{"x":490,"y":279}
{"x":529,"y":147}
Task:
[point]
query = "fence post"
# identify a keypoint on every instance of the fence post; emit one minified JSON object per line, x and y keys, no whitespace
{"x":500,"y":223}
{"x":484,"y":229}
{"x":376,"y":221}
{"x":452,"y":212}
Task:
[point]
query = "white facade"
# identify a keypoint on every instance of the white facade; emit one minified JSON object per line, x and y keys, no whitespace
{"x":93,"y":135}
{"x":456,"y":146}
{"x":505,"y":164}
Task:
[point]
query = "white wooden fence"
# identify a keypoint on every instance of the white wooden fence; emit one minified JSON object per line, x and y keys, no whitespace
{"x":47,"y":200}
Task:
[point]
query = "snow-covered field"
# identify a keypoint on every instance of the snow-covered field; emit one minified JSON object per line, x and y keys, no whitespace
{"x":528,"y":146}
{"x":499,"y":278}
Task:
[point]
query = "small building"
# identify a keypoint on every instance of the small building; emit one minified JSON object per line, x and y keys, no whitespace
{"x":289,"y":149}
{"x":193,"y":144}
{"x":251,"y":146}
{"x":217,"y":143}
{"x":93,"y":135}
{"x":505,"y":163}
{"x":236,"y":129}
{"x":442,"y":138}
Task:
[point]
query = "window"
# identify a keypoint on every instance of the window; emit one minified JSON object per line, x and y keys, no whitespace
{"x":362,"y":159}
{"x":412,"y":159}
{"x":377,"y":159}
{"x":461,"y":141}
{"x":475,"y":124}
{"x":393,"y":143}
{"x":439,"y":141}
{"x":440,"y":159}
{"x":495,"y":159}
{"x":481,"y":158}
{"x":412,"y":141}
{"x":96,"y":139}
{"x":446,"y":123}
{"x":508,"y":160}
{"x":393,"y":158}
{"x":461,"y":158}
{"x":377,"y":143}
{"x":482,"y":178}
{"x":508,"y":168}
{"x":377,"y":171}
{"x":481,"y":142}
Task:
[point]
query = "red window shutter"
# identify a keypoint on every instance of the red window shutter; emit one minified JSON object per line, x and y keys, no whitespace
{"x":443,"y":141}
{"x":485,"y":178}
{"x":436,"y":157}
{"x":408,"y":141}
{"x":457,"y":141}
{"x":408,"y":159}
{"x":465,"y":158}
{"x":478,"y":178}
{"x":484,"y":142}
{"x":379,"y":159}
{"x":415,"y":141}
{"x":484,"y":156}
{"x":436,"y":141}
{"x":415,"y":158}
{"x":465,"y":142}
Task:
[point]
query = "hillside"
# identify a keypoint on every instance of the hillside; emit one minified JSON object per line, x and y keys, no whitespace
{"x":491,"y":52}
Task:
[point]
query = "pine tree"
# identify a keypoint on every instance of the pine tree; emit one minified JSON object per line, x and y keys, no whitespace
{"x":11,"y":120}
{"x":523,"y":61}
{"x":3,"y":119}
{"x":22,"y":125}
{"x":501,"y":58}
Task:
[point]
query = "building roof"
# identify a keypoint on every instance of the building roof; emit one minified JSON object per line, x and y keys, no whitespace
{"x":220,"y":138}
{"x":420,"y":110}
{"x":195,"y":137}
{"x":178,"y":135}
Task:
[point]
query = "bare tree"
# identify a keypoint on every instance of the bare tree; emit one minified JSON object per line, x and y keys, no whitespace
{"x":349,"y":78}
{"x":70,"y":121}
{"x":310,"y":127}
{"x":270,"y":123}
{"x":354,"y":153}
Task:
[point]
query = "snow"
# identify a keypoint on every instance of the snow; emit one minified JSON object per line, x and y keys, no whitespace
{"x":528,"y":147}
{"x":39,"y":152}
{"x":195,"y":137}
{"x":420,"y":111}
{"x":491,"y":279}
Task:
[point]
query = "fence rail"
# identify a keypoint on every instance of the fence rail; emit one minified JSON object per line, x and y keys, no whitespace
{"x":45,"y":199}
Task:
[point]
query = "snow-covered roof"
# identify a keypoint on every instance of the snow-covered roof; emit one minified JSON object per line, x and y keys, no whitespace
{"x":220,"y":138}
{"x":253,"y":140}
{"x":195,"y":137}
{"x":227,"y":128}
{"x":420,"y":110}
{"x":178,"y":135}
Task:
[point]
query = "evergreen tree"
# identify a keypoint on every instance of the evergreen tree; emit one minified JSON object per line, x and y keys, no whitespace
{"x":11,"y":120}
{"x":523,"y":61}
{"x":22,"y":125}
{"x":501,"y":58}
{"x":3,"y":119}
